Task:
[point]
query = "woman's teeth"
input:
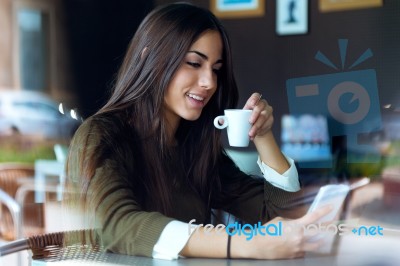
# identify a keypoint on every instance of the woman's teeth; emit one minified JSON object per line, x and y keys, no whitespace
{"x":198,"y":98}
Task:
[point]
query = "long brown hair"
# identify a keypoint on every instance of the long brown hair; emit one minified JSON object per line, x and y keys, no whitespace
{"x":154,"y":54}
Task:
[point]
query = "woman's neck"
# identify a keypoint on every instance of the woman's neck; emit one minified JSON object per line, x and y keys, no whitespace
{"x":172,"y":126}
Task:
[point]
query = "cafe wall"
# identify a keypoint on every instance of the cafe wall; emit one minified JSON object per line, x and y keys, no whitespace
{"x":264,"y":61}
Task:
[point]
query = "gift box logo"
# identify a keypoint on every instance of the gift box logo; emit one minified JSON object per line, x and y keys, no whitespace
{"x":349,"y":99}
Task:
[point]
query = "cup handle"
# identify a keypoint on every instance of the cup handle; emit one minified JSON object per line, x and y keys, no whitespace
{"x":216,"y":122}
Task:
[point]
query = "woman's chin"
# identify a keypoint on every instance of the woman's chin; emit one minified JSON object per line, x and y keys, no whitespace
{"x":192,"y":117}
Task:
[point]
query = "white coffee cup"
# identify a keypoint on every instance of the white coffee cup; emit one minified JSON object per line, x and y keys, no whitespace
{"x":238,"y":126}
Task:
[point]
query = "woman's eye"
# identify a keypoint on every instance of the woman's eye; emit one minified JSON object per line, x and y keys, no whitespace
{"x":216,"y":71}
{"x":194,"y":64}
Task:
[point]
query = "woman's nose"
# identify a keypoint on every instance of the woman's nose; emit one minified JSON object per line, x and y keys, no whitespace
{"x":207,"y":80}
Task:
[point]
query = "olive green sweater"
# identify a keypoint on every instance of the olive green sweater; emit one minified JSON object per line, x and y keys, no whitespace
{"x":128,"y":227}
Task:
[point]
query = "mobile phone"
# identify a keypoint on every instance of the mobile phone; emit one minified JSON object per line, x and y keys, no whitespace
{"x":332,"y":194}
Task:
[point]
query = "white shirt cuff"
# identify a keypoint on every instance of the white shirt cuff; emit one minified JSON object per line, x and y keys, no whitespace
{"x":288,"y":181}
{"x":172,"y":240}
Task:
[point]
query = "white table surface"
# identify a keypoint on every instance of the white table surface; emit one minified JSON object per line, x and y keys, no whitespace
{"x":349,"y":250}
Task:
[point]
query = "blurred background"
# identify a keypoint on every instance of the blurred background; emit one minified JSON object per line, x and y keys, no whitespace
{"x":59,"y":58}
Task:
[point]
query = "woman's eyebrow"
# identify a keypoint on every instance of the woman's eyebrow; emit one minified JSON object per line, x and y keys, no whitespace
{"x":205,"y":57}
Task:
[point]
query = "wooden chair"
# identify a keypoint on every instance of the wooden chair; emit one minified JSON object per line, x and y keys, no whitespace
{"x":12,"y":177}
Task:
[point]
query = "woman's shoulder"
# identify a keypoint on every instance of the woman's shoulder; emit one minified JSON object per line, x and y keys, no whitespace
{"x":102,"y":124}
{"x":103,"y":136}
{"x":101,"y":128}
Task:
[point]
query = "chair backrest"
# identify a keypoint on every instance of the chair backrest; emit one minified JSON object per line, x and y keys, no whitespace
{"x":11,"y":172}
{"x":12,"y":176}
{"x":57,"y":245}
{"x":12,"y":216}
{"x":61,"y":152}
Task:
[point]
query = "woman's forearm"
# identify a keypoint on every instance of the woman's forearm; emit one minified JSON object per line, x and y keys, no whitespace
{"x":270,"y":152}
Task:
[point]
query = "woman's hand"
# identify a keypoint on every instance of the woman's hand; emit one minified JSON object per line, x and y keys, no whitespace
{"x":261,"y":117}
{"x":261,"y":133}
{"x":293,"y":243}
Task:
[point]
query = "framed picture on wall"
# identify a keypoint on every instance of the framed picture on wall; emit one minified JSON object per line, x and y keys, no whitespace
{"x":338,"y":5}
{"x":237,"y":8}
{"x":291,"y":17}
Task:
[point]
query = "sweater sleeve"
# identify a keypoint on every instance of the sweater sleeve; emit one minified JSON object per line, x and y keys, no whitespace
{"x":125,"y":228}
{"x":251,"y":198}
{"x":106,"y":199}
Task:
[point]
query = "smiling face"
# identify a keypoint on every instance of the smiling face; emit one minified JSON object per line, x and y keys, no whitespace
{"x":195,"y":81}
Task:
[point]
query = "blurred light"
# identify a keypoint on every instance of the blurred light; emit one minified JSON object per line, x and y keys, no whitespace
{"x":387,"y":106}
{"x":74,"y":115}
{"x":61,"y":108}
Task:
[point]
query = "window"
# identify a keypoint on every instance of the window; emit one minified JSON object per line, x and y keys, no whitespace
{"x":34,"y":45}
{"x":33,"y":30}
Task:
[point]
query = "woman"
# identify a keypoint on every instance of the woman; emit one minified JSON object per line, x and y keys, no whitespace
{"x":150,"y":161}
